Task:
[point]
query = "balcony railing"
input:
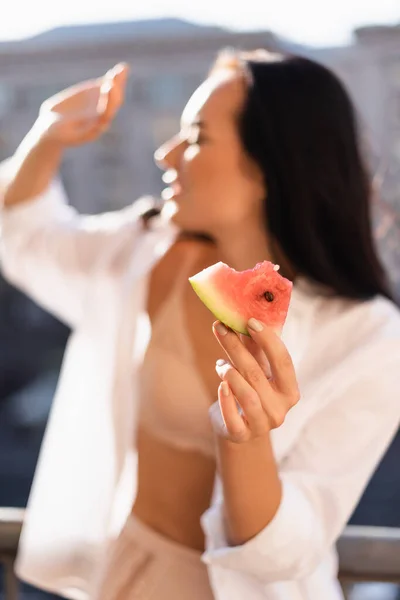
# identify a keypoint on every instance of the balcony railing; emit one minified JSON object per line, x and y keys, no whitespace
{"x":366,"y":554}
{"x":11,"y":520}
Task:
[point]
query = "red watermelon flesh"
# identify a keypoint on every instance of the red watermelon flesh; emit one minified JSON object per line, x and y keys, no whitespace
{"x":235,"y":296}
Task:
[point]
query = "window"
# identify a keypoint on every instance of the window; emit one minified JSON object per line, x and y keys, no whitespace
{"x":167,"y":92}
{"x":6,"y":99}
{"x":163,"y":128}
{"x":137,"y":92}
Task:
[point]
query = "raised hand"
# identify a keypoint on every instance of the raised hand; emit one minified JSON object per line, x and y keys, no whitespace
{"x":81,"y":113}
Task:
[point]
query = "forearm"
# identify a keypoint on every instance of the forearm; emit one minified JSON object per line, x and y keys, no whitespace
{"x":36,"y":162}
{"x":251,"y":485}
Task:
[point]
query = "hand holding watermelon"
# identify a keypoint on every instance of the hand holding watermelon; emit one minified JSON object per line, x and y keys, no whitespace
{"x":264,"y":400}
{"x":260,"y":376}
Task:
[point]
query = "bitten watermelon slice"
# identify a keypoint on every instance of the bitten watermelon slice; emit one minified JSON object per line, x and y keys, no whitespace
{"x":235,"y":296}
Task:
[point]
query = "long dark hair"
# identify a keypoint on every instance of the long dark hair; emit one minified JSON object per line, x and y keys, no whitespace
{"x":299,"y":125}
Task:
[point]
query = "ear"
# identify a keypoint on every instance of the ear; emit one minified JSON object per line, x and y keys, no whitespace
{"x":253,"y":172}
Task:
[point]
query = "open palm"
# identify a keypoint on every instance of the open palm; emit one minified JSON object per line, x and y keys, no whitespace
{"x":81,"y":113}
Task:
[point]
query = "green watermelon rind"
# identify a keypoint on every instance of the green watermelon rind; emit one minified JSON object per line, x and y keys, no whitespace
{"x":215,"y":303}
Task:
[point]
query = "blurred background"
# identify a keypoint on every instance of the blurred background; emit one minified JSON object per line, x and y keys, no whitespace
{"x":46,"y":47}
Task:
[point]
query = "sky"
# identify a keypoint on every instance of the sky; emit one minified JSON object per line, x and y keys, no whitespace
{"x":314,"y":22}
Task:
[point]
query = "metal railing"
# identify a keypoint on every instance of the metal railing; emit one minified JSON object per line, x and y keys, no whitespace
{"x":11,"y":520}
{"x":366,"y":554}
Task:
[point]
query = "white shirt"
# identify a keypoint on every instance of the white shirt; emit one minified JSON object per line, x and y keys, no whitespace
{"x":93,"y":272}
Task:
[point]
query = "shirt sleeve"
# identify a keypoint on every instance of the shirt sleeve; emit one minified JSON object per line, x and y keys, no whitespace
{"x":324,"y":475}
{"x":49,"y":251}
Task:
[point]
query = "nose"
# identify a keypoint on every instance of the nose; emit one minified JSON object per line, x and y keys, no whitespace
{"x":169,"y":154}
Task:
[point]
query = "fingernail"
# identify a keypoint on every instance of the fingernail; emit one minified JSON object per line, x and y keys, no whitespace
{"x":220,"y":362}
{"x":120,"y":67}
{"x":224,"y":388}
{"x":116,"y":70}
{"x":255,"y":325}
{"x":220,"y":328}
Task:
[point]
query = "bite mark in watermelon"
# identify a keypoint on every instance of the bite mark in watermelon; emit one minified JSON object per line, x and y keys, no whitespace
{"x":235,"y":296}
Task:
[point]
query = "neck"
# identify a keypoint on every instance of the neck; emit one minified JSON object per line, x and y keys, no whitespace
{"x":244,"y":249}
{"x":235,"y":249}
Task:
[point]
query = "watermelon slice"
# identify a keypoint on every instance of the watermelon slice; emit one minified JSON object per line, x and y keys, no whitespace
{"x":235,"y":296}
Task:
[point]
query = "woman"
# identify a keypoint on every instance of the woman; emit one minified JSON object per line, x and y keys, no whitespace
{"x":136,"y":483}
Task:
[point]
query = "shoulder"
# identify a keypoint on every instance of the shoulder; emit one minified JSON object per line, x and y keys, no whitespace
{"x":352,"y":360}
{"x":360,"y":321}
{"x":121,"y":219}
{"x":351,"y":338}
{"x":139,"y":235}
{"x":186,"y":254}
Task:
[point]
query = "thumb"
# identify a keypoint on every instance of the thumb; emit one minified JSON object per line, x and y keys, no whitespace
{"x":117,"y":76}
{"x":112,"y":91}
{"x":121,"y":73}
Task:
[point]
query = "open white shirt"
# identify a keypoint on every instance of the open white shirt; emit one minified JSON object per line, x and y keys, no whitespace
{"x":92,"y":272}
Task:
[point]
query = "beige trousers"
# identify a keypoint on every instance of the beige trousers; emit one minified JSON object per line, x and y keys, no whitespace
{"x":143,"y":565}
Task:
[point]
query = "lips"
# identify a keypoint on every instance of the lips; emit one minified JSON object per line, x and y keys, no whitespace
{"x":174,"y":188}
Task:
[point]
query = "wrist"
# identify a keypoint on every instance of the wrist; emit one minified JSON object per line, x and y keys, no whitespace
{"x":39,"y":140}
{"x":35,"y":163}
{"x":43,"y":134}
{"x":253,"y":444}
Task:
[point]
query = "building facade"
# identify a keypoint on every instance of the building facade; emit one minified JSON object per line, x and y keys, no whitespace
{"x":166,"y":68}
{"x":168,"y":59}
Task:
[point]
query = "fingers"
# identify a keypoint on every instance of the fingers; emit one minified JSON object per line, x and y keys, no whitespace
{"x":235,"y":427}
{"x":258,"y":354}
{"x":248,"y":379}
{"x":235,"y":386}
{"x":245,"y":362}
{"x":112,"y":92}
{"x":282,"y":367}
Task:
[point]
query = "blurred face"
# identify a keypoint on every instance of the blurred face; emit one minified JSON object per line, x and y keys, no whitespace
{"x":213,"y":185}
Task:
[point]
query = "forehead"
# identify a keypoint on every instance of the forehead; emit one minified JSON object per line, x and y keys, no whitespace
{"x":219,"y":97}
